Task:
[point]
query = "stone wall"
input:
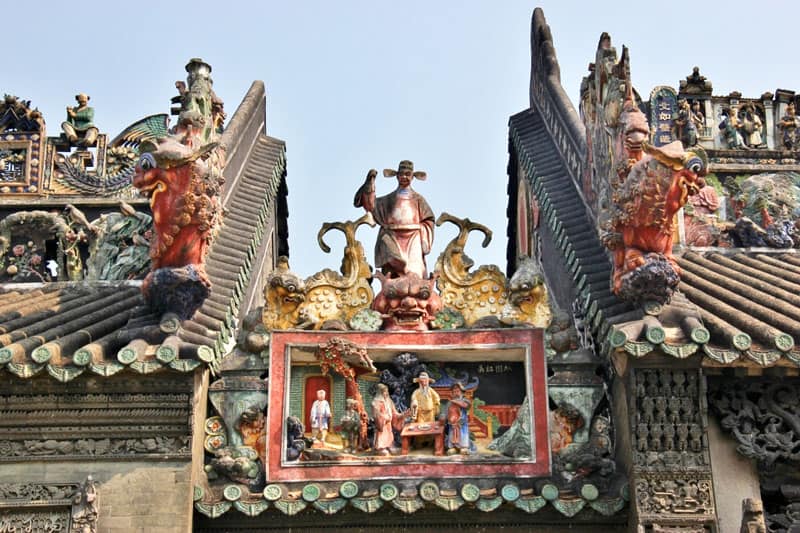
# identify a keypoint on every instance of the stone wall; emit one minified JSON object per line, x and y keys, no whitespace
{"x":133,"y":436}
{"x":132,"y":496}
{"x":735,"y":478}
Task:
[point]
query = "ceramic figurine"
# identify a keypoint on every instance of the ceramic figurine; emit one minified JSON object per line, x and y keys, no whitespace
{"x":320,"y":417}
{"x":79,"y":128}
{"x":295,"y":443}
{"x":565,"y":420}
{"x":685,"y":124}
{"x":406,"y":222}
{"x":424,"y":401}
{"x":351,"y":425}
{"x":457,"y":436}
{"x":789,"y":125}
{"x":386,"y":418}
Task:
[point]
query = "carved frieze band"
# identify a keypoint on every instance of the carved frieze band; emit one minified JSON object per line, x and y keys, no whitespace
{"x":33,"y":507}
{"x":674,"y":499}
{"x":92,"y":387}
{"x":668,"y":424}
{"x":43,"y":426}
{"x":21,"y":494}
{"x":22,"y":450}
{"x":34,"y":521}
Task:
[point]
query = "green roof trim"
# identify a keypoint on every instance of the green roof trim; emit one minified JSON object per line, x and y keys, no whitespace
{"x":428,"y":493}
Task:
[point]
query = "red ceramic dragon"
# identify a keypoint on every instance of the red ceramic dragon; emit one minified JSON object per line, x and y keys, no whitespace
{"x":654,"y":183}
{"x":640,"y":187}
{"x":181,"y":172}
{"x":183,"y":198}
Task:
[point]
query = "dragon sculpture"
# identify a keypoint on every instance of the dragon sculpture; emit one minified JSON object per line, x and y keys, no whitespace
{"x":654,"y":183}
{"x":186,"y":213}
{"x":183,"y":198}
{"x":182,"y":175}
{"x":641,"y":186}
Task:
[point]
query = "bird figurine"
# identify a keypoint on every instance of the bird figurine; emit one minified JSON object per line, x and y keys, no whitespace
{"x":366,"y":193}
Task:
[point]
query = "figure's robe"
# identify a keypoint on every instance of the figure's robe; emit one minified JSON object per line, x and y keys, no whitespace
{"x":384,"y":413}
{"x":406,"y":233}
{"x":427,"y":402}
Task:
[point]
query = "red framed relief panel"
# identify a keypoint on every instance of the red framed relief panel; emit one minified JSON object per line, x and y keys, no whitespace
{"x":490,"y":421}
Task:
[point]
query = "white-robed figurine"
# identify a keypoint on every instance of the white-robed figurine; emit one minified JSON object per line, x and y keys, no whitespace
{"x":320,"y":416}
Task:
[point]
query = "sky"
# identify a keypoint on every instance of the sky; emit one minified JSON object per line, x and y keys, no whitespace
{"x":355,"y":85}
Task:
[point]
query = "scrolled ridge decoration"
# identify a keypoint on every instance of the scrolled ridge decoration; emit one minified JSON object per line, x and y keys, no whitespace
{"x":332,"y":295}
{"x":475,"y":294}
{"x":485,"y":292}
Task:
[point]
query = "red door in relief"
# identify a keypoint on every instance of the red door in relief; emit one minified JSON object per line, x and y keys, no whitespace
{"x":313,"y":384}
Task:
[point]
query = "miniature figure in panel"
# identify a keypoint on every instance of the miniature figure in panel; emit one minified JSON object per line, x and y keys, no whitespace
{"x":457,"y":437}
{"x":424,"y":401}
{"x":386,"y":418}
{"x":320,"y":417}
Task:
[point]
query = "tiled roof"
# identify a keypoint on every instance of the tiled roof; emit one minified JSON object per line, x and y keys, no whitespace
{"x":733,"y":306}
{"x":67,"y":329}
{"x":230,"y":259}
{"x":563,"y":211}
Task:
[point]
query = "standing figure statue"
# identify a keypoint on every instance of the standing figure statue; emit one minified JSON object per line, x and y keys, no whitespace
{"x":457,"y":436}
{"x":751,"y":125}
{"x":386,"y":418}
{"x":729,"y":126}
{"x":697,"y":117}
{"x":790,"y":126}
{"x":79,"y":128}
{"x":685,"y":124}
{"x":351,"y":426}
{"x":406,"y":222}
{"x":320,"y":417}
{"x":84,"y":508}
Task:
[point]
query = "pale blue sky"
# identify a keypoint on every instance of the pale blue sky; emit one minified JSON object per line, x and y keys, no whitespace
{"x":357,"y":85}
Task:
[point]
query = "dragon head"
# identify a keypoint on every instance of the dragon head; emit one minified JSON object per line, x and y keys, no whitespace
{"x":284,"y":294}
{"x":163,"y":155}
{"x":527,"y":296}
{"x":687,"y":166}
